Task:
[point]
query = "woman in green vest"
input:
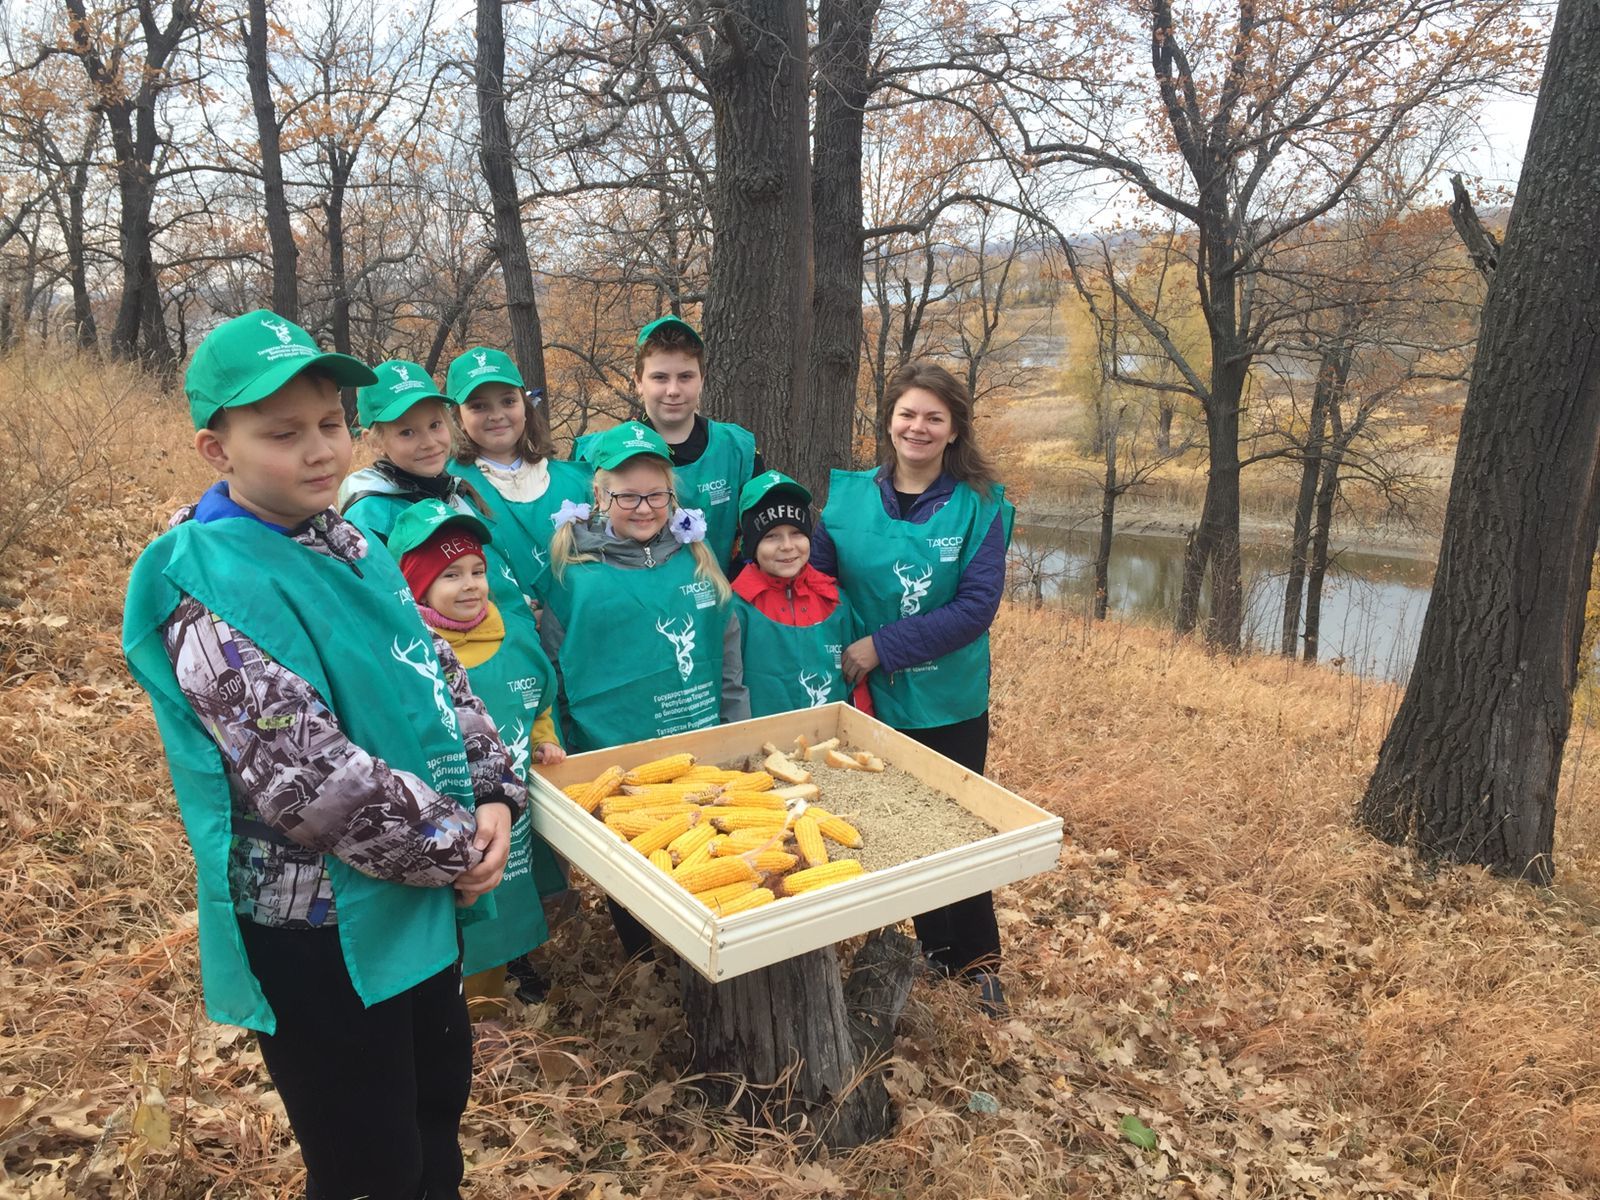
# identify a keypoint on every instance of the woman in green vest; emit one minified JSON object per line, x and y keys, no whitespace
{"x":637,"y":616}
{"x":443,"y":556}
{"x":506,"y":452}
{"x":919,"y":547}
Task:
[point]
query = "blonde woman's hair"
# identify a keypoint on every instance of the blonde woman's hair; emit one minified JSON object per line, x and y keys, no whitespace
{"x":564,"y":550}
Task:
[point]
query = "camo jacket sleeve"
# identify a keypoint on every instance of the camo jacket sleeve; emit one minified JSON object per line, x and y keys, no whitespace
{"x":291,"y":768}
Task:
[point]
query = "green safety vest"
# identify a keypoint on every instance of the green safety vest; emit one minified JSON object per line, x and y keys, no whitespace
{"x":515,"y":683}
{"x":356,"y":639}
{"x":893,"y":569}
{"x":790,"y":666}
{"x":711,"y":483}
{"x":642,"y":652}
{"x":522,"y":529}
{"x":375,"y":514}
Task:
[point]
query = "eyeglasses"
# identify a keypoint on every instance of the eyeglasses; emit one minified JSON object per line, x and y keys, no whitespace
{"x":631,"y":500}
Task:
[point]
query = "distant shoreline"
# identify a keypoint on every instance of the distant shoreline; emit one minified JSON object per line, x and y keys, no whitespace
{"x":1146,"y":521}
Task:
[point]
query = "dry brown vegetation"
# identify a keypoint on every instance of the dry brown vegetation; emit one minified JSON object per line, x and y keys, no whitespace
{"x":1293,"y":1009}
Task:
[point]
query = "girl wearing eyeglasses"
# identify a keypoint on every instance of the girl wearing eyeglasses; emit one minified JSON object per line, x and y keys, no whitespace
{"x":505,"y":451}
{"x":637,"y":618}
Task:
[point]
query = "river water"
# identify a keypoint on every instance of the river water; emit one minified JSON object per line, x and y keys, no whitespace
{"x":1372,"y":604}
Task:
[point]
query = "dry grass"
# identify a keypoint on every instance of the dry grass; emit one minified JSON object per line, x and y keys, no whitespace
{"x":1293,"y":1009}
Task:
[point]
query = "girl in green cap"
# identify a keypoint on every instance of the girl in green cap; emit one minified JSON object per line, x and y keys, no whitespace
{"x":637,"y":617}
{"x":505,"y":450}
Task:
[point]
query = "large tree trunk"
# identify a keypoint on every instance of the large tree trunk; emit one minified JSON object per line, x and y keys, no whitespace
{"x":76,"y":240}
{"x":338,"y":271}
{"x":805,"y":1048}
{"x":1470,"y":766}
{"x":1214,"y":548}
{"x":280,"y":233}
{"x":844,"y":35}
{"x":499,"y":173}
{"x":757,"y":313}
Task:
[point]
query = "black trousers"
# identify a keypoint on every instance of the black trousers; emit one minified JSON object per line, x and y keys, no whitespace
{"x":374,"y":1095}
{"x":963,"y":937}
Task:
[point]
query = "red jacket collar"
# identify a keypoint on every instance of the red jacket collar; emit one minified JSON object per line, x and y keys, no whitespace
{"x":751,"y":582}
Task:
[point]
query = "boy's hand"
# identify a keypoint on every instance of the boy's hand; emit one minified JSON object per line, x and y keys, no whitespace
{"x":549,"y":754}
{"x":494,"y":839}
{"x":859,"y":659}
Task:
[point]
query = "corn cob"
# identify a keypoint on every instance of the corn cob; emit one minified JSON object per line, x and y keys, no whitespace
{"x":608,"y":782}
{"x":721,"y":895}
{"x":835,"y":828}
{"x":705,"y":876}
{"x":664,"y":831}
{"x":662,"y":860}
{"x":729,"y":819}
{"x":693,"y":790}
{"x":661,"y":770}
{"x":612,"y":805}
{"x":742,"y":841}
{"x":574,"y":790}
{"x":704,"y":773}
{"x":698,"y":835}
{"x":772,"y":862}
{"x":631,"y":825}
{"x":754,"y":898}
{"x":750,"y":800}
{"x":813,"y":878}
{"x":641,"y":819}
{"x":809,"y":838}
{"x":749,"y":781}
{"x":700,"y":854}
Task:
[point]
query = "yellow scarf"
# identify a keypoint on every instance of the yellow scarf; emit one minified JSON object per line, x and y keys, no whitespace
{"x":478,"y":644}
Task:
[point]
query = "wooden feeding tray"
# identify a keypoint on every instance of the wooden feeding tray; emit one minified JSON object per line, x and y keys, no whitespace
{"x":1025,"y":840}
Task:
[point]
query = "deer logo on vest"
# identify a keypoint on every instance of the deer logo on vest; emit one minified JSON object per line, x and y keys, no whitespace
{"x":682,"y":644}
{"x":913,"y":587}
{"x":419,"y":657}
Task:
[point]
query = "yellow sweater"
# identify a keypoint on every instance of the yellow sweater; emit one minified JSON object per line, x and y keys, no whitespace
{"x":478,"y":645}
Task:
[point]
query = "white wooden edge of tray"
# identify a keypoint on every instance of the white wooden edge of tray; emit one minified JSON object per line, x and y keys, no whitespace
{"x":1027,"y":840}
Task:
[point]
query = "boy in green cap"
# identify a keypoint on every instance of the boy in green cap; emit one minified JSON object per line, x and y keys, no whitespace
{"x":342,"y":789}
{"x":713,"y":459}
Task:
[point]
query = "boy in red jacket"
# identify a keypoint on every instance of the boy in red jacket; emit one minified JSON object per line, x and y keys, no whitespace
{"x":792,"y":619}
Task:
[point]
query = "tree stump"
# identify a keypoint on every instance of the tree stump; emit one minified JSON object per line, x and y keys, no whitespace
{"x":797,"y":1048}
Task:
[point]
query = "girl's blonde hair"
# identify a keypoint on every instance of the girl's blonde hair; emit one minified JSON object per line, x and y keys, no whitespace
{"x":564,"y":551}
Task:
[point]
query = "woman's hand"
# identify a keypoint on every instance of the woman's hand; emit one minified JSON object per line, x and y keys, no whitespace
{"x":494,"y":839}
{"x":860,"y":658}
{"x":549,"y":754}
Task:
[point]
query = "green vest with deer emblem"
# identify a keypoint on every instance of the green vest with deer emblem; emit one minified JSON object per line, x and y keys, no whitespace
{"x":352,"y":632}
{"x":893,"y":569}
{"x":641,"y":656}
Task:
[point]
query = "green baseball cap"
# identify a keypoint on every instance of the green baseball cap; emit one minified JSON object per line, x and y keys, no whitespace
{"x":663,"y":322}
{"x":400,"y":385}
{"x":754,"y":492}
{"x":629,"y":440}
{"x":245,"y":360}
{"x":423,"y":519}
{"x":477,"y":366}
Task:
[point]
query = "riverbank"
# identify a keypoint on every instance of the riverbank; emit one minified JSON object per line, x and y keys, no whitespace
{"x":1169,"y":521}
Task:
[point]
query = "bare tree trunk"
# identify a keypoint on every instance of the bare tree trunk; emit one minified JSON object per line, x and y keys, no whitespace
{"x":1108,"y":523}
{"x":1482,"y":246}
{"x":338,"y":271}
{"x":1471,"y":763}
{"x":1327,"y":493}
{"x":139,"y":328}
{"x":1164,"y":415}
{"x":758,"y":304}
{"x":1305,"y":502}
{"x":843,"y":83}
{"x":499,"y":173}
{"x":280,"y":233}
{"x":806,"y":1048}
{"x":1214,"y":548}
